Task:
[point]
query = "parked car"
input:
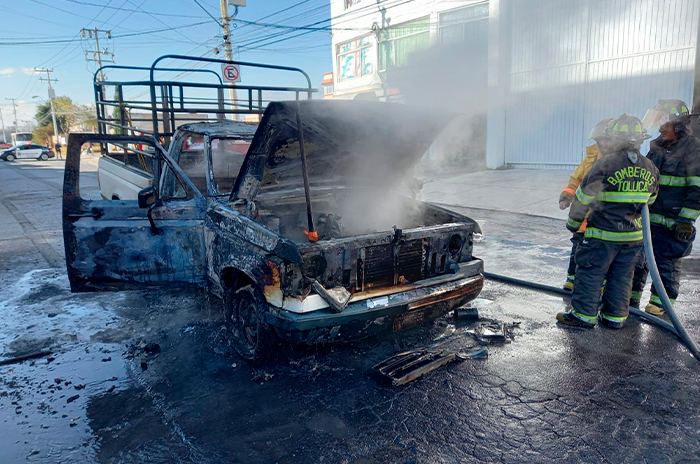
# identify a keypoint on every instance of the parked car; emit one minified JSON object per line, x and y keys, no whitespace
{"x":310,"y":238}
{"x":27,"y":151}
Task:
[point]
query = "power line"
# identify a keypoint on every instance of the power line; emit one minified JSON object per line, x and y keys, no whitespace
{"x":300,"y":28}
{"x":133,"y":34}
{"x":207,"y":12}
{"x":247,"y":46}
{"x":308,"y":15}
{"x":38,"y":18}
{"x":73,"y":13}
{"x":138,"y":10}
{"x":165,"y":24}
{"x":76,"y":36}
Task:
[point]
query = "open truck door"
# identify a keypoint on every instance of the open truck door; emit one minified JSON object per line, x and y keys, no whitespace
{"x":157,"y":240}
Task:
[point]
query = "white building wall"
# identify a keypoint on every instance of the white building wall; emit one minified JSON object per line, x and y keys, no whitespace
{"x":575,"y":62}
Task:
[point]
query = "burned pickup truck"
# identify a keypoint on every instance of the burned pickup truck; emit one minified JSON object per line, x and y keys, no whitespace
{"x":315,"y":243}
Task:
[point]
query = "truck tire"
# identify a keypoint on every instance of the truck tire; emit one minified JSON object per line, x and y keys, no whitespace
{"x":252,"y":336}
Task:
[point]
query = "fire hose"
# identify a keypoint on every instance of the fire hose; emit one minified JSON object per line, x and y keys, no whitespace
{"x":675,"y":327}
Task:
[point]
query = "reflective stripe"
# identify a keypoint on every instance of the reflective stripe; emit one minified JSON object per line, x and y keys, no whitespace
{"x":694,"y":181}
{"x":583,"y":197}
{"x":631,"y":236}
{"x":636,"y":295}
{"x":652,"y":199}
{"x":673,"y":181}
{"x":657,"y":301}
{"x":687,"y":213}
{"x":613,"y":318}
{"x":582,"y":317}
{"x":662,"y":220}
{"x":623,"y":197}
{"x":570,"y":277}
{"x":572,"y":223}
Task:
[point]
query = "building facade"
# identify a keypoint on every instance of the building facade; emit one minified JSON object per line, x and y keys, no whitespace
{"x":528,"y":77}
{"x":371,"y":40}
{"x":327,"y":84}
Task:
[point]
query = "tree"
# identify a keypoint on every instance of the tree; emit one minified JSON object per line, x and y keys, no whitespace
{"x":42,"y":134}
{"x":64,"y":117}
{"x":68,"y":114}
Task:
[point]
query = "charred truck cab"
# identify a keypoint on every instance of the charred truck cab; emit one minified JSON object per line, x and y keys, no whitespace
{"x":339,"y":252}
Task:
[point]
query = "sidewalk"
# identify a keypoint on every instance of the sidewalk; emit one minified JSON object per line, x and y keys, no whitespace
{"x":523,"y":191}
{"x":514,"y":190}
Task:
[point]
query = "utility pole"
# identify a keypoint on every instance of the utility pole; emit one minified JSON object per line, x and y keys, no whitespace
{"x":52,"y":97}
{"x":14,"y":107}
{"x":4,"y":136}
{"x":228,"y":48}
{"x":98,"y":52}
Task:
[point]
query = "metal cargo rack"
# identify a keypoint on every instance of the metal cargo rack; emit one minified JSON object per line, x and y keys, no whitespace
{"x":156,"y":107}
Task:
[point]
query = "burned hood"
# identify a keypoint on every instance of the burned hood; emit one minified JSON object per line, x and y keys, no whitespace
{"x":348,"y":143}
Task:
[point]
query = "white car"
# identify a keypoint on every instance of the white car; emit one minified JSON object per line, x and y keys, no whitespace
{"x":27,"y":151}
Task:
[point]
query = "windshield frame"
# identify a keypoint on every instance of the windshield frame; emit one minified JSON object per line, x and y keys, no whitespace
{"x":208,"y":153}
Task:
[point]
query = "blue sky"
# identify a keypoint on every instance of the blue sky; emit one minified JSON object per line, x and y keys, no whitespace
{"x":59,"y":22}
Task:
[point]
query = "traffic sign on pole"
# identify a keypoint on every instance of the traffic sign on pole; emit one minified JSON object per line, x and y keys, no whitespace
{"x":231,"y":72}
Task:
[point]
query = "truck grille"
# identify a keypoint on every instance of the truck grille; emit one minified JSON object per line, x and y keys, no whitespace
{"x":391,"y":264}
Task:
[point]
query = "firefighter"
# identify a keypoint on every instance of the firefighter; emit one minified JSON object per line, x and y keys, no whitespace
{"x":614,"y":191}
{"x":593,"y":154}
{"x":676,"y":153}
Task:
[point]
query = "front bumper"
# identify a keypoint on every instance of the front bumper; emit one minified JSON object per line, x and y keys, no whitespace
{"x":371,"y":316}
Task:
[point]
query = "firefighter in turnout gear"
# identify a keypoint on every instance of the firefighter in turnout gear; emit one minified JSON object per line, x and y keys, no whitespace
{"x":614,"y":191}
{"x":593,"y":154}
{"x":676,"y":153}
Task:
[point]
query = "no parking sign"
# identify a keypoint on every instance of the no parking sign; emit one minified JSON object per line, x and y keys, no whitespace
{"x":231,"y":72}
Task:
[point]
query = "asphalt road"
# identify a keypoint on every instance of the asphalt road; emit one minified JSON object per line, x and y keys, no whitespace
{"x":549,"y":395}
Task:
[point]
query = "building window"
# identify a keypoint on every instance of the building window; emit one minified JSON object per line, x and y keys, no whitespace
{"x":328,"y":89}
{"x":398,"y":43}
{"x":463,"y":24}
{"x":351,"y":3}
{"x":355,"y":58}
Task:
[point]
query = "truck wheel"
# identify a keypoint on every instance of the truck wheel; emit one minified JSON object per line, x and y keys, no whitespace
{"x":10,"y":158}
{"x":44,"y":157}
{"x":253,"y":338}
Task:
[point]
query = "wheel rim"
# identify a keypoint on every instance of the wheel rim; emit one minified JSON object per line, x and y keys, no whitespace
{"x":248,"y":322}
{"x":44,"y":157}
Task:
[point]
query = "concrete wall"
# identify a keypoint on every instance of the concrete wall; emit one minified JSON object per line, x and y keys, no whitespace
{"x":574,"y":63}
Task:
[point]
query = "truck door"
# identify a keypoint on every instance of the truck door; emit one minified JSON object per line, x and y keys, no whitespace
{"x":114,"y":245}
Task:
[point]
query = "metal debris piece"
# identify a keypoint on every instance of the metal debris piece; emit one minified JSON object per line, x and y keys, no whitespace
{"x":466,"y":314}
{"x":493,"y":332}
{"x":478,"y":353}
{"x":338,"y":298}
{"x":25,"y":357}
{"x":408,"y":366}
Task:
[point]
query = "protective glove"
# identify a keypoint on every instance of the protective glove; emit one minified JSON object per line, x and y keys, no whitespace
{"x":684,"y":231}
{"x":564,"y":202}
